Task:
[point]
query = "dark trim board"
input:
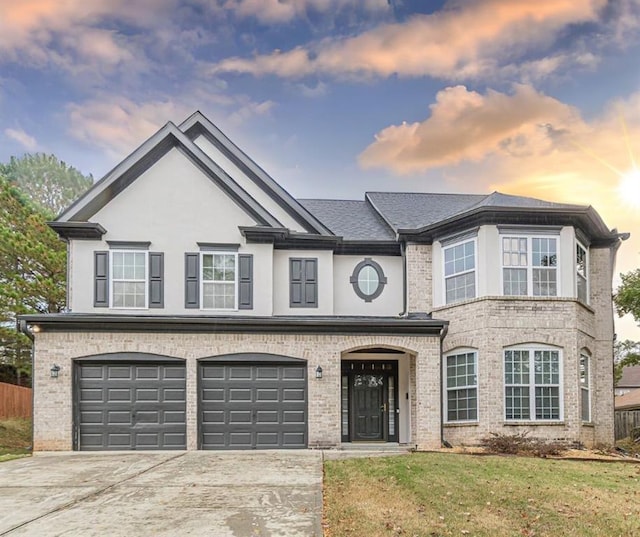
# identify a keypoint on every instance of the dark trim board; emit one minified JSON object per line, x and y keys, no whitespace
{"x":77,"y":322}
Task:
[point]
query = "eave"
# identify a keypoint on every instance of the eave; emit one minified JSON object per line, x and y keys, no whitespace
{"x":78,"y":322}
{"x":584,"y":218}
{"x":78,"y":230}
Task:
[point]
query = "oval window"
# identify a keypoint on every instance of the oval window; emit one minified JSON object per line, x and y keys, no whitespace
{"x":368,"y":280}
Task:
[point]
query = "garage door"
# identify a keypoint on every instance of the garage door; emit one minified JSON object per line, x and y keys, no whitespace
{"x":246,"y":405}
{"x":130,"y":405}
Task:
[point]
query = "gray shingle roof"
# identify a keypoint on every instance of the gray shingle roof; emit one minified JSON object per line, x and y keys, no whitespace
{"x":415,"y":210}
{"x":404,"y":210}
{"x":352,"y":220}
{"x":630,"y":377}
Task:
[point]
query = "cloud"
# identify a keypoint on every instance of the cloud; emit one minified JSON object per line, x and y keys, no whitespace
{"x":24,"y":139}
{"x":465,"y":125}
{"x":117,"y":125}
{"x":278,"y":11}
{"x":464,"y":39}
{"x":525,"y":143}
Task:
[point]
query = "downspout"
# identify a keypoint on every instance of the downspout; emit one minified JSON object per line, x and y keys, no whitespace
{"x":443,"y":334}
{"x":23,"y":327}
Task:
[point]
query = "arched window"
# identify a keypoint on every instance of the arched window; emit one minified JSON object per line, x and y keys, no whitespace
{"x":461,"y":385}
{"x":533,"y":383}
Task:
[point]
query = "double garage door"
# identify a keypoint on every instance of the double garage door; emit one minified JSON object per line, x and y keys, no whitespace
{"x":254,"y":402}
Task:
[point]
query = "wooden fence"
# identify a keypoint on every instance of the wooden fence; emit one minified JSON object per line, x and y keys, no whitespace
{"x":15,"y":401}
{"x":625,"y":422}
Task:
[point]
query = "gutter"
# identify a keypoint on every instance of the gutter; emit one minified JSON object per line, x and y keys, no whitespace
{"x":443,"y":334}
{"x":23,"y":328}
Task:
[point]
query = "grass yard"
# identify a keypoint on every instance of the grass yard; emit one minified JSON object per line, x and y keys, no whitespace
{"x":15,"y":438}
{"x":439,"y":494}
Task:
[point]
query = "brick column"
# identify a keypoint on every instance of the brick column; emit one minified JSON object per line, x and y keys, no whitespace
{"x":419,"y":278}
{"x":428,"y":418}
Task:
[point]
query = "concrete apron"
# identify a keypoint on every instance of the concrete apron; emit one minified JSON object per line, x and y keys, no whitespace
{"x":221,"y":494}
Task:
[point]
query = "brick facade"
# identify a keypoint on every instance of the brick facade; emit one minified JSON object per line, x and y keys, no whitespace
{"x":53,"y":401}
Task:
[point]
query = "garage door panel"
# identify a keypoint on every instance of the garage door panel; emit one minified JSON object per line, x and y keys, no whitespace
{"x":119,"y":372}
{"x":117,"y":417}
{"x":91,"y":394}
{"x":293,"y":394}
{"x":256,"y":406}
{"x":269,"y":373}
{"x":131,"y":406}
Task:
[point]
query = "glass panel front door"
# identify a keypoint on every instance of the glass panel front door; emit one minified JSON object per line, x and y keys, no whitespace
{"x":368,"y":406}
{"x":369,"y":401}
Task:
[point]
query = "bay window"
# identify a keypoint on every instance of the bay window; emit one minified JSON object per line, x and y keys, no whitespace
{"x":530,"y":266}
{"x":460,"y":271}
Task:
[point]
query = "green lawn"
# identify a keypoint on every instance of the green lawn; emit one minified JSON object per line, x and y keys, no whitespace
{"x":439,"y":494}
{"x":15,"y":438}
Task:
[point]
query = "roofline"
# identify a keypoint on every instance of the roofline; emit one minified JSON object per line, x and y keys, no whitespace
{"x":143,"y":158}
{"x":598,"y":231}
{"x":285,"y":239}
{"x":198,"y":123}
{"x":66,"y":322}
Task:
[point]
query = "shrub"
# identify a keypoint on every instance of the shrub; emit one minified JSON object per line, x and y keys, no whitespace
{"x":522,"y":444}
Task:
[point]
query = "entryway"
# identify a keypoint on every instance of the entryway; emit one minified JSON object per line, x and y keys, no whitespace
{"x":369,"y":401}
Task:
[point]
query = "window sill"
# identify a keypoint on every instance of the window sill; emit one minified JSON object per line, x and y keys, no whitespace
{"x":510,"y":298}
{"x":588,"y":424}
{"x":534,"y":423}
{"x":462,"y":424}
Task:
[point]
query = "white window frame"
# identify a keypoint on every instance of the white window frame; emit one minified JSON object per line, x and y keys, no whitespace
{"x":530,"y":267}
{"x":202,"y":282}
{"x":444,"y":248}
{"x":577,"y":273}
{"x":531,"y":348}
{"x":585,"y":387}
{"x":112,"y":280}
{"x":459,"y":352}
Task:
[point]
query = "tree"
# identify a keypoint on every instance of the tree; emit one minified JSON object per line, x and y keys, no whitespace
{"x":625,"y":353}
{"x":627,"y":297}
{"x":46,"y":181}
{"x":32,"y":271}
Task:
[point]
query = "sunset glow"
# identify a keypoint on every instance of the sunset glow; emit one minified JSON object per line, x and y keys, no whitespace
{"x":629,"y":188}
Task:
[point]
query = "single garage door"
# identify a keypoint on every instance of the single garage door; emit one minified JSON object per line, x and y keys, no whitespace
{"x":129,"y":404}
{"x":249,"y":404}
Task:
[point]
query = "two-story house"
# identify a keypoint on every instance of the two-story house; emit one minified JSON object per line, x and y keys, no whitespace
{"x":209,"y":309}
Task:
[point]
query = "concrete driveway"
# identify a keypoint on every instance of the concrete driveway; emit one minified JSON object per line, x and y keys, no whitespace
{"x":217,"y":494}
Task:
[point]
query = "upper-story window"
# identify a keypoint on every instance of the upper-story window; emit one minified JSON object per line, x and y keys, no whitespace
{"x":460,"y":271}
{"x":128,"y":279}
{"x":532,"y":384}
{"x":530,"y":266}
{"x":219,"y":280}
{"x":582,"y":281}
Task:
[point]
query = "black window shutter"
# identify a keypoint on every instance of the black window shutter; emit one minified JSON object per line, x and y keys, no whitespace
{"x":192,"y":281}
{"x":245,"y":282}
{"x":311,"y":283}
{"x":303,"y":283}
{"x":156,"y":280}
{"x":101,"y":279}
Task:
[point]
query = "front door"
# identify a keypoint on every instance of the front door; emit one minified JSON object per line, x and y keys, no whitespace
{"x":369,"y":401}
{"x":368,"y":406}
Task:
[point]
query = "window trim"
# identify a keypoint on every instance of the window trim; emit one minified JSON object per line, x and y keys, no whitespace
{"x":587,"y":356}
{"x":382,"y":279}
{"x":445,"y":402}
{"x":532,"y":347}
{"x":444,"y":248}
{"x":112,"y":280}
{"x":202,"y":281}
{"x":529,"y":237}
{"x":579,"y":244}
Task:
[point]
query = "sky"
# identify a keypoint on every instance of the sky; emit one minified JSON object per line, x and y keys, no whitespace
{"x":334,"y":98}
